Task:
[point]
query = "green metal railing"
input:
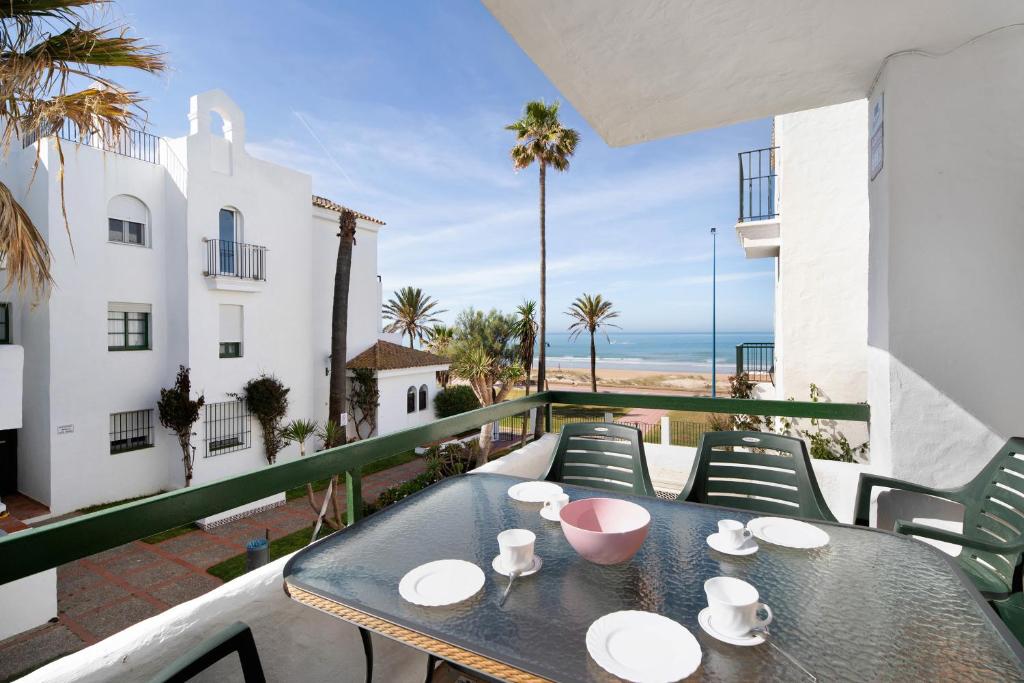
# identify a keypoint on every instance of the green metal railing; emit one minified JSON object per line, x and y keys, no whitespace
{"x":34,"y":550}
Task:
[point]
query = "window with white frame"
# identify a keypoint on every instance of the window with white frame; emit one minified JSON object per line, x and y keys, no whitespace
{"x":423,"y":397}
{"x":128,"y":221}
{"x":410,"y":400}
{"x":231,"y":331}
{"x":128,"y":326}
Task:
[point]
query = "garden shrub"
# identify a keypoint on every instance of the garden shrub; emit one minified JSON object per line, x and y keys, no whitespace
{"x":457,"y":398}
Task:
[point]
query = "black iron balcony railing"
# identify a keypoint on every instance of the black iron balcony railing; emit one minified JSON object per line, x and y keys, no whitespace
{"x":758,"y":191}
{"x":757,"y":359}
{"x":236,"y":259}
{"x":26,"y":552}
{"x":132,"y":143}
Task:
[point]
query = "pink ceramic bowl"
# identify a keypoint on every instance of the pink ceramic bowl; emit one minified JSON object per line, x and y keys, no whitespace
{"x":605,"y":530}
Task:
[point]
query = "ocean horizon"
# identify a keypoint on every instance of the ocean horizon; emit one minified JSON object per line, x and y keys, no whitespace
{"x":666,"y":351}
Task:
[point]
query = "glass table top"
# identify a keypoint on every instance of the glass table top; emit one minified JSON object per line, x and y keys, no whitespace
{"x":869,"y":606}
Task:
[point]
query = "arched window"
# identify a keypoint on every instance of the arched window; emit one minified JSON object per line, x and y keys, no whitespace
{"x":410,"y":400}
{"x":128,"y":221}
{"x":423,"y":397}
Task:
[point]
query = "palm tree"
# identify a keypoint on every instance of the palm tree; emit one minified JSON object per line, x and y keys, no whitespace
{"x":410,"y":311}
{"x":524,"y":329}
{"x":541,"y":138}
{"x":439,"y":342}
{"x":484,"y":356}
{"x":338,"y":392}
{"x":590,"y":314}
{"x":48,"y":48}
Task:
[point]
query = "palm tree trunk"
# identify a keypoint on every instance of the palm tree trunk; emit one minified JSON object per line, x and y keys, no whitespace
{"x":593,"y":364}
{"x":541,"y":360}
{"x":339,"y":320}
{"x":485,"y":444}
{"x":410,"y":340}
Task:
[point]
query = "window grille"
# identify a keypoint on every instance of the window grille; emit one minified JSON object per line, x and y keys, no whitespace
{"x":5,"y":323}
{"x":227,"y":427}
{"x":131,"y":430}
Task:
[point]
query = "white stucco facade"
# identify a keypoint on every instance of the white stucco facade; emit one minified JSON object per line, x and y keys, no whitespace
{"x":393,"y":414}
{"x":946,"y":238}
{"x":270,"y":293}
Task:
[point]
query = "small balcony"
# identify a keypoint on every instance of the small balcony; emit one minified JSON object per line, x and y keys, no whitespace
{"x":235,"y":266}
{"x":757,"y":360}
{"x":758,"y":223}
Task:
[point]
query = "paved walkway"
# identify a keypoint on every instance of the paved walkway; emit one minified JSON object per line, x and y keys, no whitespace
{"x":108,"y":592}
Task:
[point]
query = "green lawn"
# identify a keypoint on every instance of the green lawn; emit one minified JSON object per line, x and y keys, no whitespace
{"x":235,"y":566}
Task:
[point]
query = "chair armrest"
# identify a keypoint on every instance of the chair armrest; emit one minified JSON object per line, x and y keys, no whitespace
{"x":235,"y":638}
{"x":946,"y":536}
{"x":862,"y":509}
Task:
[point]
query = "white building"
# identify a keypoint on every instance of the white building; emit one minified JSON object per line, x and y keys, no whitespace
{"x":804,"y":203}
{"x":186,"y":251}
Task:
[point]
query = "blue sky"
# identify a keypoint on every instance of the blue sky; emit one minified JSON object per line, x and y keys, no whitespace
{"x":398,"y":109}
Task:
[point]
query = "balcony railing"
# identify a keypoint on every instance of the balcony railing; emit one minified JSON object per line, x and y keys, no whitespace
{"x":757,"y":359}
{"x":132,"y":143}
{"x":27,"y":552}
{"x":236,"y":259}
{"x":758,"y":191}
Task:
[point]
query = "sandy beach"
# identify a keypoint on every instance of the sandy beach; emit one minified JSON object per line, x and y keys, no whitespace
{"x":650,"y":381}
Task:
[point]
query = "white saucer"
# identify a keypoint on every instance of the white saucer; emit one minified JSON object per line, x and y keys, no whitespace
{"x":790,"y":533}
{"x":534,"y":491}
{"x":551,"y":515}
{"x":497,"y":566}
{"x":443,"y":582}
{"x":749,"y":546}
{"x":643,"y":647}
{"x":704,"y":619}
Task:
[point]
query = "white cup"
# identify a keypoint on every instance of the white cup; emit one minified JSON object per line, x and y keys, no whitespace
{"x":556,"y":503}
{"x":733,"y":533}
{"x":516,"y":549}
{"x":734,"y":606}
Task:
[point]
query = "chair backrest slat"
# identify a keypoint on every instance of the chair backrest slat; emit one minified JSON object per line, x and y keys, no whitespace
{"x":601,"y":455}
{"x":756,"y":471}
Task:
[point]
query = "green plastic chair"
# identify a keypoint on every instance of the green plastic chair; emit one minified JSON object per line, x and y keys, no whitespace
{"x":993,"y":533}
{"x":601,"y":455}
{"x":777,"y":480}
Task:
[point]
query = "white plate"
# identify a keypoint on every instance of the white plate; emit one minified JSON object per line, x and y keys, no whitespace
{"x":443,"y":582}
{"x":704,"y":619}
{"x":550,"y":514}
{"x":643,"y":647}
{"x":791,"y":533}
{"x":497,"y":566}
{"x":534,"y":491}
{"x":749,"y":546}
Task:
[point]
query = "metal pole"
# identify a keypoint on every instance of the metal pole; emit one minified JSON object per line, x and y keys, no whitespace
{"x":714,"y":293}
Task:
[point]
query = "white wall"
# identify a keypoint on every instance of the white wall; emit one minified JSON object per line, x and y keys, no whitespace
{"x":12,"y":368}
{"x":945,"y":373}
{"x":28,"y":602}
{"x":821,"y":289}
{"x":393,"y":386}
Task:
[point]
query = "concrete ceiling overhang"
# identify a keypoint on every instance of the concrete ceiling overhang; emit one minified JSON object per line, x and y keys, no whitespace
{"x":644,"y":69}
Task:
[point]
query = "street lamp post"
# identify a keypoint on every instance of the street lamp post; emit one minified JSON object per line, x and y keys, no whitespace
{"x":714,"y":293}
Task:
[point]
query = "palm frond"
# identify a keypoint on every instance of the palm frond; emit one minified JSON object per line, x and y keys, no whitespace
{"x":22,"y":247}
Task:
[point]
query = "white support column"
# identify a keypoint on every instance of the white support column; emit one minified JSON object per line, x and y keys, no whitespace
{"x":608,"y":417}
{"x":666,"y":431}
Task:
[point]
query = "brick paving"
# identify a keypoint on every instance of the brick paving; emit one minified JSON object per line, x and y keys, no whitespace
{"x":100,"y":595}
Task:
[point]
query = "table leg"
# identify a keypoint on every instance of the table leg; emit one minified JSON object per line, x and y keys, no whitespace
{"x":367,"y":652}
{"x":431,"y":663}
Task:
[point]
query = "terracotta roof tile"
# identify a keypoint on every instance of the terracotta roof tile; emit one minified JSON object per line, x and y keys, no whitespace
{"x":325,"y":203}
{"x":385,"y":355}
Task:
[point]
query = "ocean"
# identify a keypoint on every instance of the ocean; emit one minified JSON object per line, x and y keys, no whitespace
{"x":667,"y":351}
